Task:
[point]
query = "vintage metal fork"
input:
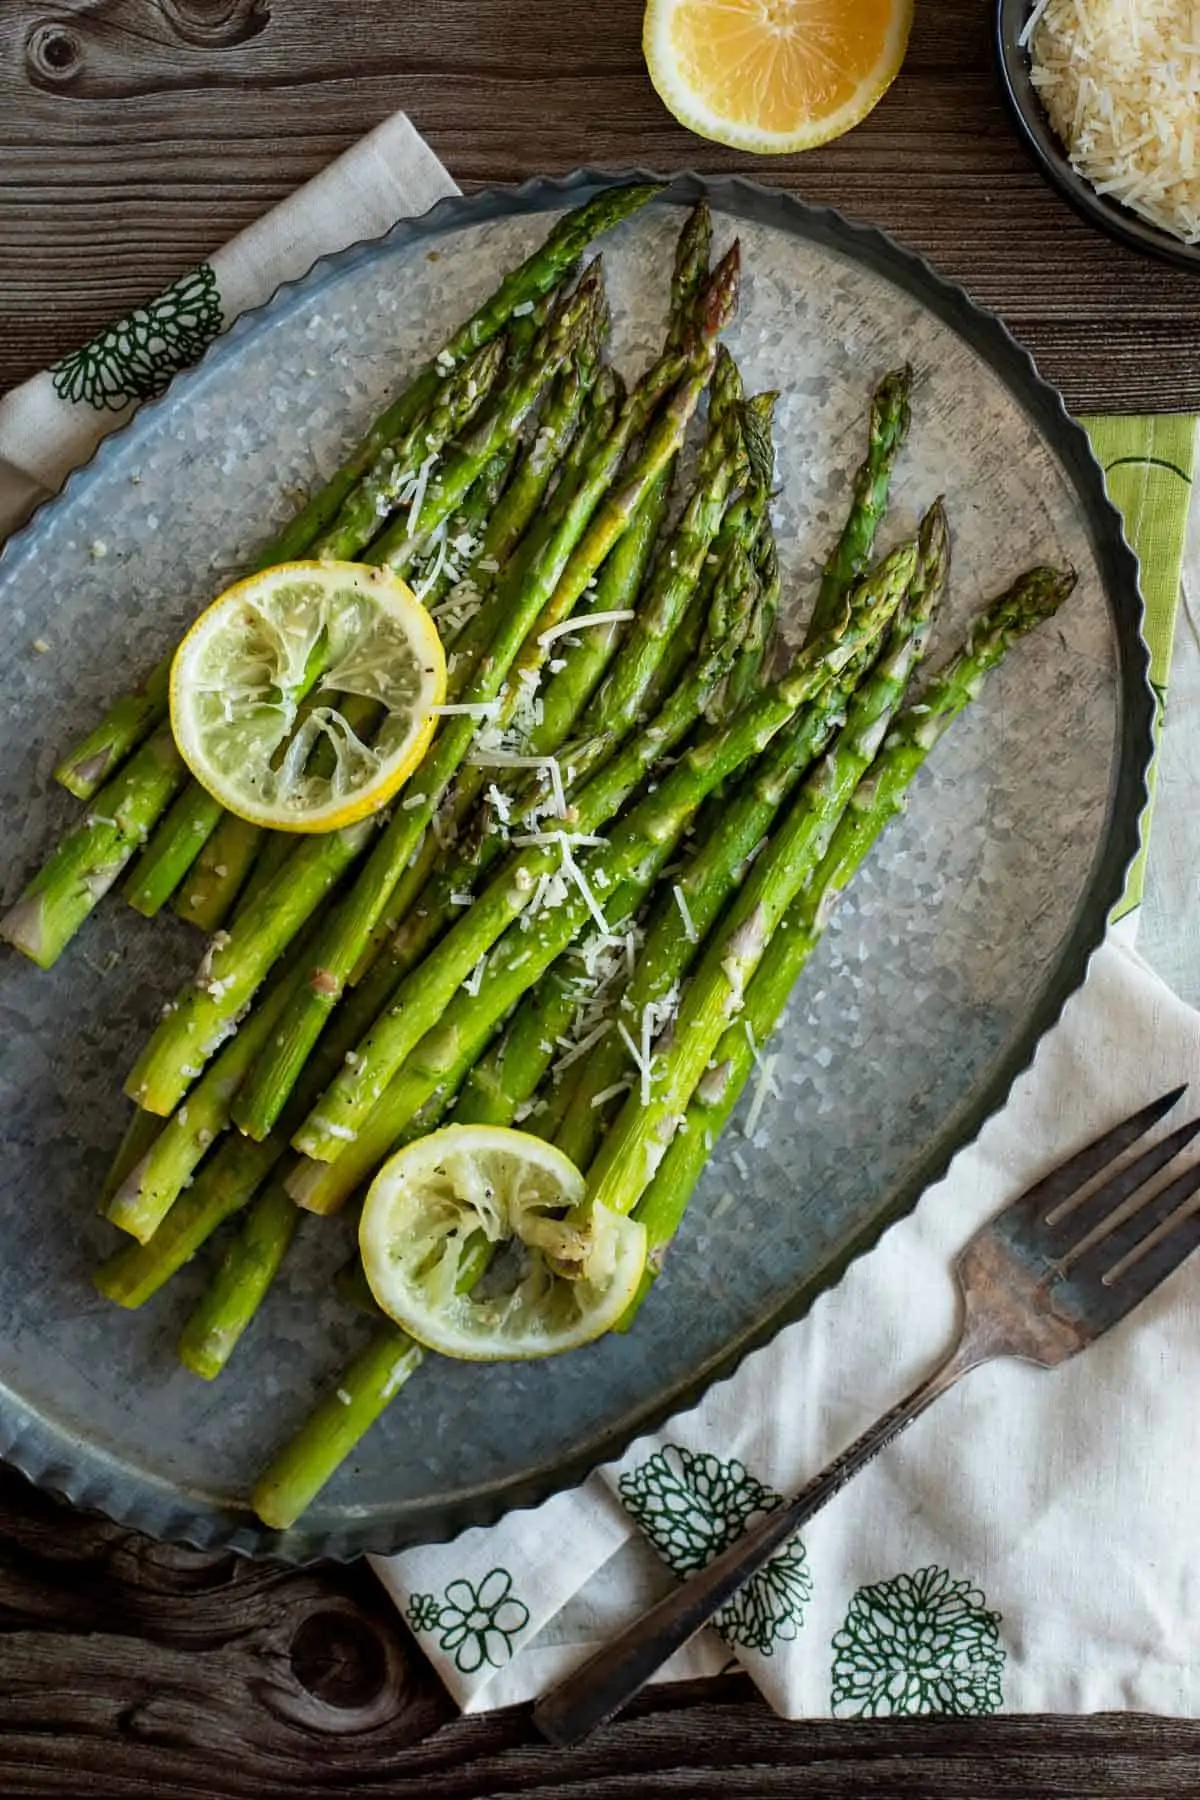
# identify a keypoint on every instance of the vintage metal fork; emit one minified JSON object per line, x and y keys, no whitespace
{"x":1042,"y":1279}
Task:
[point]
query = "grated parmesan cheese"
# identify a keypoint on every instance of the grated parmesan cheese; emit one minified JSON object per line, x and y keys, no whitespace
{"x":689,"y":924}
{"x":473,"y":981}
{"x":470,"y":709}
{"x":610,"y":1093}
{"x":642,"y":1062}
{"x":766,"y":1088}
{"x":616,"y":617}
{"x":1120,"y":81}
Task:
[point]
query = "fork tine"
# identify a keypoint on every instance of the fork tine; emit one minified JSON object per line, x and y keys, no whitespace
{"x":1067,"y":1224}
{"x":1041,"y":1200}
{"x":1102,"y":1248}
{"x":1133,"y":1281}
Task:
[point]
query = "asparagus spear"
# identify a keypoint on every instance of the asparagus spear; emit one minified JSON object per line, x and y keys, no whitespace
{"x":565,"y":695}
{"x":637,"y":848}
{"x":742,"y":519}
{"x":875,"y":802}
{"x":748,"y":668}
{"x":137,"y":1138}
{"x":225,"y":1184}
{"x":436,"y":587}
{"x":181,"y":835}
{"x":460,"y":396}
{"x":88,"y":861}
{"x":299,"y":1471}
{"x":619,"y":698}
{"x":233,"y":1296}
{"x":604,"y":401}
{"x":435,"y":906}
{"x":90,"y":858}
{"x":887,"y":431}
{"x":688,"y":910}
{"x":152,"y":1185}
{"x":203,"y":1015}
{"x":346,"y":937}
{"x":373,"y":499}
{"x":563,"y":698}
{"x":631,"y":1152}
{"x":583,"y":663}
{"x":95,"y":757}
{"x":210,"y":890}
{"x":689,"y":274}
{"x":418,"y":1002}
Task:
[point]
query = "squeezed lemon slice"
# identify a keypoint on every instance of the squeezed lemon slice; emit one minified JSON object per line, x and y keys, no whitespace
{"x":774,"y":76}
{"x":256,"y":686}
{"x":481,"y":1197}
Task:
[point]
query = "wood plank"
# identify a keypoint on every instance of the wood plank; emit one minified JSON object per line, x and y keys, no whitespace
{"x":134,"y":1669}
{"x":173,"y":127}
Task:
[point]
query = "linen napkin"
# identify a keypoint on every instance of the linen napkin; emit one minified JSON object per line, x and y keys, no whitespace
{"x":1030,"y":1544}
{"x":53,"y":422}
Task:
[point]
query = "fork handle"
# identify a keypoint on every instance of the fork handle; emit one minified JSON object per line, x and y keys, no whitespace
{"x":600,"y":1687}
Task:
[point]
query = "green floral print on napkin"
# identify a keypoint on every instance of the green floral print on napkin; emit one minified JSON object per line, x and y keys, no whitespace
{"x":476,"y":1625}
{"x":692,"y":1506}
{"x":921,"y":1643}
{"x":137,"y":356}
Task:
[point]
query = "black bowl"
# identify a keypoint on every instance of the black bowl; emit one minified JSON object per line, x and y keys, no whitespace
{"x":1043,"y":145}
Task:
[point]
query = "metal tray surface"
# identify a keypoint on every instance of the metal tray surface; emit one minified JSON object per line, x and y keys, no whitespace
{"x":954,"y":951}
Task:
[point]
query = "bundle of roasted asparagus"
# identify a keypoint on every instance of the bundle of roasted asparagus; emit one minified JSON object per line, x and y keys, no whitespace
{"x":587,"y":908}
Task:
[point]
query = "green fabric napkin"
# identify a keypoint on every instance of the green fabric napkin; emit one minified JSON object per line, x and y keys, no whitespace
{"x":1148,"y":466}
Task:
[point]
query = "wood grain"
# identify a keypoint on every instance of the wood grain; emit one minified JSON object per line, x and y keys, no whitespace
{"x":136,"y":135}
{"x":134,"y":1669}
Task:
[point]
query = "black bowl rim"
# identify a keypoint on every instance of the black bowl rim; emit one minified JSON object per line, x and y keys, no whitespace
{"x":78,"y":1471}
{"x":1044,"y":148}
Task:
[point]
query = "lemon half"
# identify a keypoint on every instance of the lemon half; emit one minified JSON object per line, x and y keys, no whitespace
{"x":257,"y":686}
{"x":483,"y":1196}
{"x":774,"y":76}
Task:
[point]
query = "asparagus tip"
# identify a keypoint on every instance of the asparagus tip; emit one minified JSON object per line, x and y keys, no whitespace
{"x":719,"y":301}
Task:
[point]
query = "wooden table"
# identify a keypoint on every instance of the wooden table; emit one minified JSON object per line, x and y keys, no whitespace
{"x":135,"y":136}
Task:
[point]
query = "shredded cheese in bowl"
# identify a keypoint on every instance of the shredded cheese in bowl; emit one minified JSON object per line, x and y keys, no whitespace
{"x":1120,"y":81}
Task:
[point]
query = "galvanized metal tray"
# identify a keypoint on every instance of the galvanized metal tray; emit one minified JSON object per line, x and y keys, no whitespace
{"x":954,"y":952}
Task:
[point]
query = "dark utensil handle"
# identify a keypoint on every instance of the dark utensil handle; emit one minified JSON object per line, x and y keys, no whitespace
{"x":600,"y":1687}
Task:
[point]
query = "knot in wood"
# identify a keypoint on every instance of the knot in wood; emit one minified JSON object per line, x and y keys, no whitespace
{"x":215,"y":24}
{"x":339,"y":1658}
{"x":53,"y":53}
